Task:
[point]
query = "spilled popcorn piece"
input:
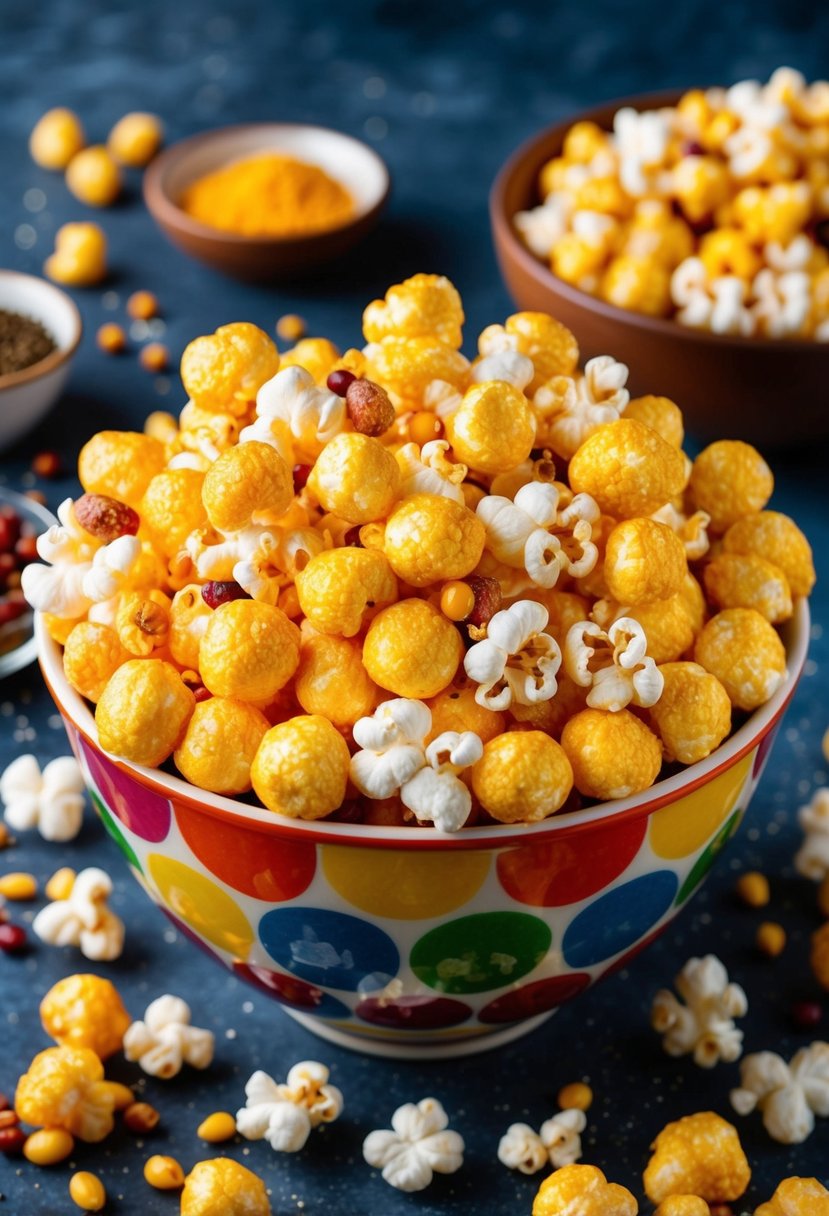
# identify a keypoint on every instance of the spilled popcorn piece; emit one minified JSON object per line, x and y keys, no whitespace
{"x":50,"y":800}
{"x":698,"y":1155}
{"x":164,"y":1041}
{"x":582,"y":1190}
{"x":418,"y":1146}
{"x":797,"y":1197}
{"x":83,"y":918}
{"x":516,"y":660}
{"x":788,"y":1095}
{"x":812,"y":859}
{"x":558,"y":1143}
{"x":521,"y":1148}
{"x":704,"y":1025}
{"x":65,"y":1087}
{"x":285,"y":1114}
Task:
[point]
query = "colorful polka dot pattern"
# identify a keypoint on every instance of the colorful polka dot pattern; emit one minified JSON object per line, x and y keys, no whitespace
{"x":419,"y":947}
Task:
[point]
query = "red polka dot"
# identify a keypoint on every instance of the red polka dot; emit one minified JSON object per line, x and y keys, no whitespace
{"x":539,"y":997}
{"x":413,"y":1012}
{"x":145,"y":813}
{"x":622,"y":962}
{"x":247,"y":860}
{"x":571,"y":869}
{"x":291,"y":991}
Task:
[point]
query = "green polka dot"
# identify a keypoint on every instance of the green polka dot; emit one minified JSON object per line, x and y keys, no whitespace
{"x":115,"y":832}
{"x":706,"y":859}
{"x":478,"y":953}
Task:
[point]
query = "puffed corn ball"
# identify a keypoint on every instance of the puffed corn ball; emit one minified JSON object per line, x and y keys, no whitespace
{"x":693,"y":715}
{"x":407,"y":366}
{"x":550,"y":345}
{"x":613,"y":755}
{"x":120,"y":464}
{"x":143,"y":711}
{"x":628,"y":468}
{"x":225,"y":370}
{"x":301,"y":768}
{"x":777,"y":539}
{"x":582,"y":1190}
{"x":730,"y":479}
{"x":356,"y":478}
{"x":85,"y":1011}
{"x":661,"y":414}
{"x":683,"y":1205}
{"x":135,"y":139}
{"x":457,"y":709}
{"x":92,"y":653}
{"x":412,"y":650}
{"x":493,"y":429}
{"x":743,"y":580}
{"x":744,"y":652}
{"x":698,"y":1155}
{"x":172,"y":508}
{"x":249,"y":651}
{"x":644,"y":561}
{"x":249,"y":478}
{"x":340,"y":590}
{"x":797,"y":1197}
{"x":56,"y":137}
{"x":523,"y":776}
{"x":80,"y":257}
{"x":429,"y":538}
{"x":219,"y":745}
{"x":669,"y":626}
{"x":94,"y":177}
{"x":223,"y":1187}
{"x":317,"y":355}
{"x":331,"y":679}
{"x":422,"y":305}
{"x":64,"y":1087}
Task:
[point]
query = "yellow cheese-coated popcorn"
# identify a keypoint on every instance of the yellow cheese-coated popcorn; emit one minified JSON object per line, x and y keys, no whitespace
{"x":301,"y":768}
{"x":79,"y":259}
{"x":430,"y":537}
{"x":644,"y":561}
{"x":143,"y":711}
{"x":683,"y":1205}
{"x":777,"y":538}
{"x":773,"y":213}
{"x":701,"y":185}
{"x":424,"y":305}
{"x":222,"y":1187}
{"x":693,"y":715}
{"x":493,"y":429}
{"x":582,"y":1190}
{"x":627,"y":468}
{"x":797,"y":1197}
{"x":412,"y":649}
{"x":522,"y":777}
{"x":746,"y":655}
{"x":332,"y":681}
{"x":407,"y":366}
{"x":698,"y":1155}
{"x":743,"y":580}
{"x":56,"y":137}
{"x":224,"y":370}
{"x":85,"y":1011}
{"x":218,"y":747}
{"x":189,"y":617}
{"x":694,"y":598}
{"x":58,"y":628}
{"x":93,"y":177}
{"x":249,"y":651}
{"x":120,"y":464}
{"x":91,"y":654}
{"x":637,"y":283}
{"x":583,"y":141}
{"x":317,"y":355}
{"x":656,"y":233}
{"x":456,"y":709}
{"x":730,"y":479}
{"x":142,"y":622}
{"x":340,"y":590}
{"x":172,"y":508}
{"x":668,"y":624}
{"x":728,"y":251}
{"x":135,"y":139}
{"x":660,"y":413}
{"x":356,"y":478}
{"x":613,"y":755}
{"x":65,"y":1087}
{"x":550,"y":345}
{"x":574,"y":258}
{"x":251,"y":477}
{"x":603,"y":194}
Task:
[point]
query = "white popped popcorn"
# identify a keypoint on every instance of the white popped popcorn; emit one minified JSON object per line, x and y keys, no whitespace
{"x":292,"y":398}
{"x":782,"y":302}
{"x":508,"y":365}
{"x":561,"y":1136}
{"x":285,"y":1114}
{"x":436,"y":793}
{"x":812,"y":859}
{"x":543,"y":530}
{"x":427,"y":470}
{"x":418,"y":1146}
{"x":51,"y":800}
{"x":704,"y":1024}
{"x":571,"y":409}
{"x":613,"y":664}
{"x":520,"y":1148}
{"x":641,"y":140}
{"x":516,"y":660}
{"x":83,"y":919}
{"x":692,"y":530}
{"x":789,"y":1095}
{"x":542,"y":227}
{"x":164,"y":1040}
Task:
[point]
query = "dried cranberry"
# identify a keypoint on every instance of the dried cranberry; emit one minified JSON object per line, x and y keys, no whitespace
{"x":8,"y":563}
{"x":46,"y":464}
{"x":12,"y":938}
{"x":301,"y":474}
{"x":216,"y":593}
{"x":487,"y":599}
{"x":806,"y":1014}
{"x":351,"y":538}
{"x":9,"y":529}
{"x":11,"y":609}
{"x":692,"y":147}
{"x":339,"y":381}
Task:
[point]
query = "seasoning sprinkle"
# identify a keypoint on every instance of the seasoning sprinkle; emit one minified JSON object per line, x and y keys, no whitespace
{"x":23,"y":342}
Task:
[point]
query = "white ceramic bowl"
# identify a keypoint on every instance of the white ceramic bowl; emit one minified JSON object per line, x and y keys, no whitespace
{"x":27,"y":395}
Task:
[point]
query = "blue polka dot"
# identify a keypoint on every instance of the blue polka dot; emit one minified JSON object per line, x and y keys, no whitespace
{"x":618,"y":920}
{"x":329,"y":949}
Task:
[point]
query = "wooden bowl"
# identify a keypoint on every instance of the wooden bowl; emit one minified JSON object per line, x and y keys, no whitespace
{"x":348,"y":160}
{"x":771,"y":392}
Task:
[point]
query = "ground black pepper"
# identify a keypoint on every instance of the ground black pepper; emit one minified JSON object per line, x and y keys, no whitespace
{"x":23,"y":342}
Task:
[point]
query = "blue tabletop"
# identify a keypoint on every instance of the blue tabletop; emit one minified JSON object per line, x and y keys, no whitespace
{"x":444,"y":91}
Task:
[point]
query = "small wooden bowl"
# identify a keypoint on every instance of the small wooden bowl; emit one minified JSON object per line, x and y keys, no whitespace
{"x":354,"y":164}
{"x":773,"y":393}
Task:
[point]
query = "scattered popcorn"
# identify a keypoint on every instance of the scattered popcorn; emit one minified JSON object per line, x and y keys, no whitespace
{"x":582,"y":1190}
{"x":521,"y":1148}
{"x":65,"y":1087}
{"x":165,"y":1040}
{"x":223,"y":1187}
{"x":812,"y":859}
{"x":704,"y":1024}
{"x":797,"y":1197}
{"x":788,"y":1095}
{"x":561,"y":1136}
{"x":572,"y":409}
{"x":285,"y":1114}
{"x":83,"y":919}
{"x":698,"y":1155}
{"x":51,"y":800}
{"x":85,"y":1011}
{"x":418,"y":1146}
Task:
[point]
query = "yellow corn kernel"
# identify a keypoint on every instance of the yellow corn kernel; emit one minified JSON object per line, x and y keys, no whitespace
{"x":93,"y":177}
{"x":771,"y":938}
{"x":424,"y":426}
{"x":290,"y":327}
{"x":457,"y":600}
{"x":163,"y":1173}
{"x":753,"y":889}
{"x":217,"y":1127}
{"x":576,"y":1096}
{"x":87,"y":1191}
{"x":140,"y":1117}
{"x":56,"y":137}
{"x":135,"y":139}
{"x":60,"y":884}
{"x":48,"y":1146}
{"x":18,"y":886}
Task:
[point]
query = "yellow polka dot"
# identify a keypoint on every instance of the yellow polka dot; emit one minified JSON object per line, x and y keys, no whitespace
{"x":685,"y":825}
{"x":201,"y":904}
{"x":404,"y":886}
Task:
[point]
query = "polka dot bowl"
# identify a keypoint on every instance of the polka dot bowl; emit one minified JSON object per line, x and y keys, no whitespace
{"x":402,"y":942}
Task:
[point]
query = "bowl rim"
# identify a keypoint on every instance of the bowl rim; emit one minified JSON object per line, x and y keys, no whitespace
{"x":743,"y":740}
{"x":59,"y":355}
{"x":162,"y":206}
{"x":503,"y":230}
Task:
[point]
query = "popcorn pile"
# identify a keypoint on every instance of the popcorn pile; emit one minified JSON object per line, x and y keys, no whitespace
{"x":404,"y":587}
{"x":713,"y":211}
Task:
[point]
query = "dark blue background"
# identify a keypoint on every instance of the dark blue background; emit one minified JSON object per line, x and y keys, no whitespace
{"x":444,"y":91}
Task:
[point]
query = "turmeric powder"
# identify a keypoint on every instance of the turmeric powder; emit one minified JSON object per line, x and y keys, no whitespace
{"x":268,"y":195}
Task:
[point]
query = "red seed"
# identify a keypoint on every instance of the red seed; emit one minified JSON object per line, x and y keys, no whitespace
{"x":9,"y":530}
{"x":12,"y":1140}
{"x":46,"y":464}
{"x":301,"y":474}
{"x":487,"y":599}
{"x":216,"y":593}
{"x":11,"y":610}
{"x":806,"y":1014}
{"x":339,"y":380}
{"x":26,"y":548}
{"x":12,"y":938}
{"x":8,"y":563}
{"x":201,"y":693}
{"x":351,"y":538}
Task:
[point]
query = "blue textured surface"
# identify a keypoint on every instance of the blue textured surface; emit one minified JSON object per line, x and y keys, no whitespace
{"x":445,"y":92}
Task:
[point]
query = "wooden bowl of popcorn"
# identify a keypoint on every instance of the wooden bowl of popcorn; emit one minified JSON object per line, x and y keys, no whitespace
{"x":770,"y":390}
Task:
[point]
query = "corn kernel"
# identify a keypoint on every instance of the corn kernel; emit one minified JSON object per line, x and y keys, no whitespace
{"x":111,"y":338}
{"x":457,"y":601}
{"x":771,"y":938}
{"x":87,"y":1191}
{"x":424,"y":426}
{"x":59,"y":886}
{"x":135,"y":139}
{"x":163,"y":1173}
{"x":56,"y":137}
{"x":217,"y":1127}
{"x":154,"y":357}
{"x":290,"y":327}
{"x":140,"y":1117}
{"x":18,"y":886}
{"x":49,"y":1146}
{"x":753,"y":889}
{"x":93,"y":177}
{"x":142,"y":306}
{"x":576,"y":1096}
